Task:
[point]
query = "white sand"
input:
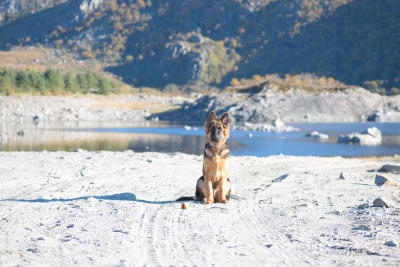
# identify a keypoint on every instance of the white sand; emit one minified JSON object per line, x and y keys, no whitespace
{"x":130,"y":219}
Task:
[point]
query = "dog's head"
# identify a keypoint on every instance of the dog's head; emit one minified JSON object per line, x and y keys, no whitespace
{"x":217,"y":130}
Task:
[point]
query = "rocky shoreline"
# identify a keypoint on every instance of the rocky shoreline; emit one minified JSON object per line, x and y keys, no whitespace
{"x":294,"y":105}
{"x":255,"y":112}
{"x":83,"y":108}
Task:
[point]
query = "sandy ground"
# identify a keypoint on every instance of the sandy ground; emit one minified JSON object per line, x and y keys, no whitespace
{"x":117,"y":209}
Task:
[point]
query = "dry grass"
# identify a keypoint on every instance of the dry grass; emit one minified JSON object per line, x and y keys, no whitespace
{"x":382,"y":159}
{"x":306,"y":81}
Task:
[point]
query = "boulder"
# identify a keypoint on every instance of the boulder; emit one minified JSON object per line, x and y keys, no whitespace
{"x":390,"y":168}
{"x":278,"y":123}
{"x":317,"y":135}
{"x":373,"y":131}
{"x":366,"y":139}
{"x":382,"y":180}
{"x":345,"y":138}
{"x":346,"y":175}
{"x":371,"y":136}
{"x":380,"y":202}
{"x":392,"y":243}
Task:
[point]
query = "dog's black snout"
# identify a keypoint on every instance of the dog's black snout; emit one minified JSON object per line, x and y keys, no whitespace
{"x":216,"y":134}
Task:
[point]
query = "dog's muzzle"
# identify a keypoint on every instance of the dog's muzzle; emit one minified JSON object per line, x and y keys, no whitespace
{"x":216,"y":135}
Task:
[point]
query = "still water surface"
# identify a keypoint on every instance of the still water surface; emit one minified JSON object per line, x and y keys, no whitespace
{"x":164,"y":137}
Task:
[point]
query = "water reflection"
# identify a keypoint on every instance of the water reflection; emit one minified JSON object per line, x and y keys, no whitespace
{"x":161,"y":137}
{"x":69,"y":137}
{"x":109,"y":142}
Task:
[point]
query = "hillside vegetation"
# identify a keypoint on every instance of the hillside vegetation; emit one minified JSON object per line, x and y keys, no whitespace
{"x":197,"y":43}
{"x":54,"y":82}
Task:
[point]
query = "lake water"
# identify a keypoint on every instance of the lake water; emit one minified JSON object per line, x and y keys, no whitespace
{"x":164,"y":137}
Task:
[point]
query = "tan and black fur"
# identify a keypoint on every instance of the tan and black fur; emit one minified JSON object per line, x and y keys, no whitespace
{"x":214,"y":185}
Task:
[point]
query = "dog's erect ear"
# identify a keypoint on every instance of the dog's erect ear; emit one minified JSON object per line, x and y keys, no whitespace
{"x":212,"y":117}
{"x":225,"y":119}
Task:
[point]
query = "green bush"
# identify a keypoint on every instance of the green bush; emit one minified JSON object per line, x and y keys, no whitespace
{"x":82,"y":82}
{"x":37,"y":82}
{"x":6,"y":86}
{"x":55,"y":82}
{"x":70,"y":83}
{"x":22,"y":81}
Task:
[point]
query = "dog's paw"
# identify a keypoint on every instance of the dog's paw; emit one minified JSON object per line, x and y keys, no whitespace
{"x":224,"y":201}
{"x":206,"y":201}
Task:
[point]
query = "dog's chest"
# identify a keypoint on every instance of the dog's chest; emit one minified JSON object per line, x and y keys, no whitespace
{"x":216,"y":161}
{"x":215,"y":168}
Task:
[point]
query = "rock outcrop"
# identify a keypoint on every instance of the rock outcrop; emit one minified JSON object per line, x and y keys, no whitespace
{"x":90,"y":5}
{"x":371,"y":136}
{"x":294,"y":105}
{"x":195,"y":58}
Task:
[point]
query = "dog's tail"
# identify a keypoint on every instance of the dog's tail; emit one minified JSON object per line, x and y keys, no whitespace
{"x":186,"y":199}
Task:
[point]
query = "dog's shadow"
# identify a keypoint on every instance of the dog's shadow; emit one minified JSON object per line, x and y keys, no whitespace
{"x":115,"y":197}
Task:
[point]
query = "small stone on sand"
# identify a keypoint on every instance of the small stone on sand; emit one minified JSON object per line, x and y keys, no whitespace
{"x":392,"y":243}
{"x":380,"y":202}
{"x":346,"y":175}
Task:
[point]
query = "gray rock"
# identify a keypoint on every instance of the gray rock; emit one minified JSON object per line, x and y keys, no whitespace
{"x":35,"y":119}
{"x":278,"y":123}
{"x":270,"y":103}
{"x":346,"y":175}
{"x":390,"y":168}
{"x":337,"y":211}
{"x":392,"y":243}
{"x":380,"y":202}
{"x":371,"y":136}
{"x":363,"y":227}
{"x":365,"y":139}
{"x":317,"y":135}
{"x":382,"y":180}
{"x":281,"y":178}
{"x":345,"y":139}
{"x":373,"y":131}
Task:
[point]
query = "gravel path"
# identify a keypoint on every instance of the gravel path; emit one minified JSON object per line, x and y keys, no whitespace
{"x":117,"y":209}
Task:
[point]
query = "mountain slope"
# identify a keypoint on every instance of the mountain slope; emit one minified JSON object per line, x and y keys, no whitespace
{"x":157,"y":42}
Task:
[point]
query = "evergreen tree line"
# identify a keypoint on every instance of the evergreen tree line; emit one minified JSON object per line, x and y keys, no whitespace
{"x":54,"y":82}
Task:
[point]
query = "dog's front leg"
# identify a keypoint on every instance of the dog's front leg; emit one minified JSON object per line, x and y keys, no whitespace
{"x":209,"y":192}
{"x":222,"y":190}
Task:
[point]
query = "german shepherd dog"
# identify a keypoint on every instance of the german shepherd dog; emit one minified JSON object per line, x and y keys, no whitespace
{"x":214,"y":185}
